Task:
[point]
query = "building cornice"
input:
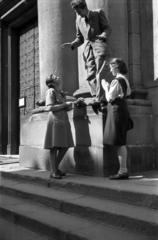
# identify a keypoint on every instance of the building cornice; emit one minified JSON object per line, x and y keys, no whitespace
{"x":12,"y":12}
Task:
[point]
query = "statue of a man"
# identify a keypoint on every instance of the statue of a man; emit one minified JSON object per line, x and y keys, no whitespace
{"x":92,"y":28}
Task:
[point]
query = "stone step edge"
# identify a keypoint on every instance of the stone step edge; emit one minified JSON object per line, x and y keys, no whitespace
{"x":8,"y":161}
{"x":56,"y":230}
{"x":124,"y":196}
{"x":36,"y":226}
{"x":14,"y":231}
{"x":115,"y":219}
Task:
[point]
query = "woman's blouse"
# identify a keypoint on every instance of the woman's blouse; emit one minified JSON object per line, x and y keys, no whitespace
{"x":53,"y":97}
{"x":116,"y":91}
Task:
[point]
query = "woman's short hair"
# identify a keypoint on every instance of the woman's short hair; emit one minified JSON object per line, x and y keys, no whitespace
{"x":78,"y":4}
{"x":50,"y":79}
{"x":119,"y":64}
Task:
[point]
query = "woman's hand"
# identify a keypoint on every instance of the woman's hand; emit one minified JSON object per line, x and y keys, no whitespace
{"x":66,"y":45}
{"x":100,"y":37}
{"x":48,"y":109}
{"x":68,"y":106}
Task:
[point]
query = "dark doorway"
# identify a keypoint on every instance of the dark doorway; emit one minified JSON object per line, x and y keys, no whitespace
{"x":28,"y":66}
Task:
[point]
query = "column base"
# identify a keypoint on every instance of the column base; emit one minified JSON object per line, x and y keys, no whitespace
{"x":90,"y":156}
{"x":139,"y":93}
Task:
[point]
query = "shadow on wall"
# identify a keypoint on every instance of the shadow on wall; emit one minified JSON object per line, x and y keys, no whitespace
{"x":110,"y":159}
{"x":82,"y":156}
{"x":90,"y":156}
{"x":81,"y":123}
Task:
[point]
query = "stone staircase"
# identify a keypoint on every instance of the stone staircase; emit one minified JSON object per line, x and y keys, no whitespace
{"x":17,"y":232}
{"x":80,"y":207}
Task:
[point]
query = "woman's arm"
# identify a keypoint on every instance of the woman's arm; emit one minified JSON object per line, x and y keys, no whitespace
{"x":111,"y":90}
{"x":58,"y":107}
{"x":51,"y":103}
{"x":105,"y":86}
{"x":55,"y":107}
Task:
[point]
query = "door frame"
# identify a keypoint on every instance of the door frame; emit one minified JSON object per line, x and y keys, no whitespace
{"x":9,"y":27}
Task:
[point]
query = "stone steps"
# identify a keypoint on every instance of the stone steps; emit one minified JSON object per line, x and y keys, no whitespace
{"x":83,"y":213}
{"x":132,"y":191}
{"x":117,"y":214}
{"x":57,"y":225}
{"x":17,"y":232}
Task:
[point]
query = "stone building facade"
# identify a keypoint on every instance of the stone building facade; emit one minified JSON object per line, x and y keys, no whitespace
{"x":31,"y":32}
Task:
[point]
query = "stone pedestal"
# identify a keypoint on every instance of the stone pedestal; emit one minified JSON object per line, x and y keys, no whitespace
{"x":89,"y":156}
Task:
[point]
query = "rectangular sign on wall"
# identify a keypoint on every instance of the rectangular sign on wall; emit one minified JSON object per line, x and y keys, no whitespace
{"x":22,"y":102}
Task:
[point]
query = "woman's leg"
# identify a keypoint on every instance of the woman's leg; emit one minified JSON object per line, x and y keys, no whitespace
{"x":122,"y":156}
{"x":53,"y":159}
{"x":61,"y":154}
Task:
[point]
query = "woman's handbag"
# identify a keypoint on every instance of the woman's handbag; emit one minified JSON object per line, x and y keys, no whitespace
{"x":130,"y":124}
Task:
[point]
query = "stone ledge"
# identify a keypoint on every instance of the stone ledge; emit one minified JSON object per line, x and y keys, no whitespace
{"x":138,"y":102}
{"x":139,"y":93}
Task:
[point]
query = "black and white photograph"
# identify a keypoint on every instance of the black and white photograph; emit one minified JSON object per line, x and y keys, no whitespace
{"x":78,"y":119}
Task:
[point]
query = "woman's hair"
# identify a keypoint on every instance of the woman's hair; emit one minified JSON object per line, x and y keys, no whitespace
{"x":119,"y":64}
{"x":50,"y":79}
{"x":78,"y":4}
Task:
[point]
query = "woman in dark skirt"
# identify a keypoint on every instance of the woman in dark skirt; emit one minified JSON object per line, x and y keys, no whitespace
{"x":117,"y":121}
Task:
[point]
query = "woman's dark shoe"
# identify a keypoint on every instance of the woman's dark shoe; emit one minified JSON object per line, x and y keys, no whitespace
{"x":120,"y":176}
{"x":60,"y":173}
{"x":55,"y":176}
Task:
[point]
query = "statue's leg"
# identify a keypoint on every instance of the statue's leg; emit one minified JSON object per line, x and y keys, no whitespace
{"x":90,"y":66}
{"x":100,"y":60}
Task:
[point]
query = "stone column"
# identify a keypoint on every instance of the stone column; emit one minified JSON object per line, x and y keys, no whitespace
{"x":155,"y":40}
{"x":153,"y":81}
{"x":0,"y":90}
{"x":118,"y":20}
{"x":56,"y":22}
{"x":134,"y":43}
{"x":13,"y":93}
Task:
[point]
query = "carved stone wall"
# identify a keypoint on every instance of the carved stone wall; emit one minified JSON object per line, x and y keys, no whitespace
{"x":29,"y":66}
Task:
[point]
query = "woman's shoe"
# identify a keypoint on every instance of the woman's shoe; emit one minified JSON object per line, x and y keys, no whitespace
{"x":120,"y":176}
{"x":60,"y":173}
{"x":55,"y":176}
